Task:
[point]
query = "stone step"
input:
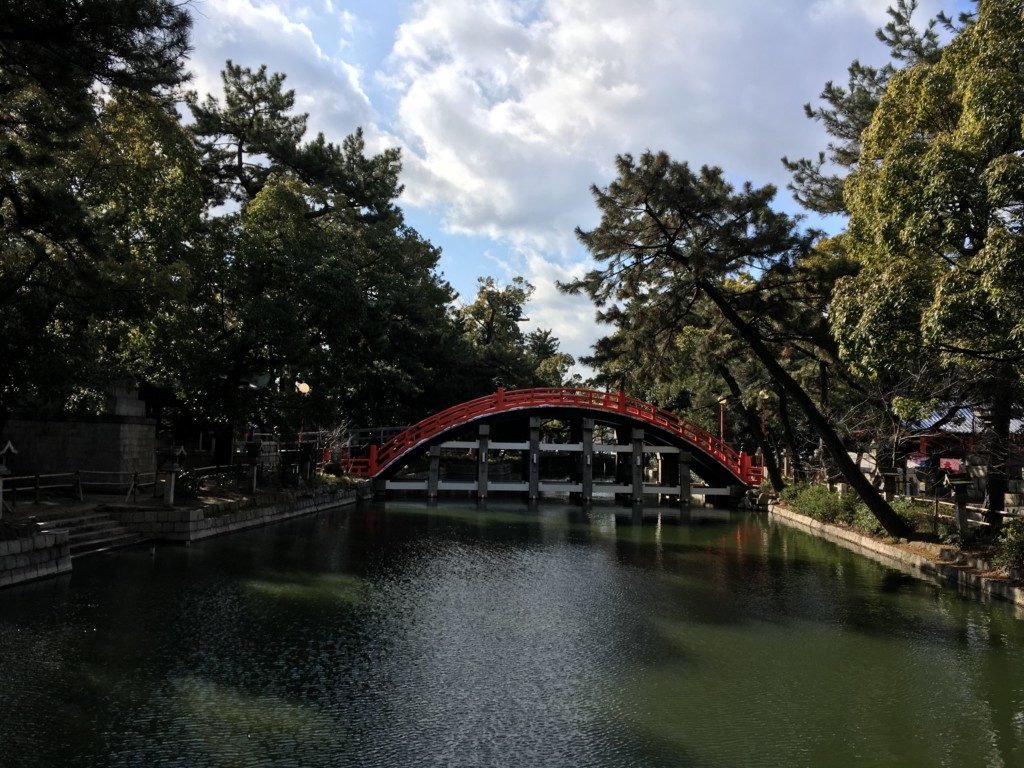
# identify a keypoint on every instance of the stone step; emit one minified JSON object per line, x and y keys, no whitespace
{"x":121,"y":539}
{"x":96,"y":532}
{"x":70,"y":521}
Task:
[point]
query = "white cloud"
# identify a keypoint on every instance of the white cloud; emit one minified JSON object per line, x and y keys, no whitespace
{"x":507,"y":110}
{"x":281,"y":35}
{"x":510,"y":109}
{"x":570,"y":317}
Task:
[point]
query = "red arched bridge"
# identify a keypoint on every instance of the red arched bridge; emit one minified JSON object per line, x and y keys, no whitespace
{"x":711,"y":458}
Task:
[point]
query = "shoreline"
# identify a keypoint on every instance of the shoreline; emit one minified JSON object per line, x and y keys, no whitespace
{"x":923,"y":560}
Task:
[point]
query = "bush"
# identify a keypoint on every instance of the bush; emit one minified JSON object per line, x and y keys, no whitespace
{"x":864,"y":520}
{"x":819,"y":502}
{"x":1010,"y":549}
{"x":790,"y":492}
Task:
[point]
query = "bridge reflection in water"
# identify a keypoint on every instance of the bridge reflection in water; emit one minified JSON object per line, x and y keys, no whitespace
{"x":654,"y":451}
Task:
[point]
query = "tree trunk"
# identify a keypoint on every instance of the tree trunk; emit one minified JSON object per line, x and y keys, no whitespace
{"x":879,"y":507}
{"x":997,"y":449}
{"x":789,"y":436}
{"x":753,"y":422}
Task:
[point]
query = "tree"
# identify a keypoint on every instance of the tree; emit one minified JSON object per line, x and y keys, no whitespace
{"x":818,"y":183}
{"x":937,"y":216}
{"x":669,"y":234}
{"x":311,"y":275}
{"x":502,"y":353}
{"x":53,"y":251}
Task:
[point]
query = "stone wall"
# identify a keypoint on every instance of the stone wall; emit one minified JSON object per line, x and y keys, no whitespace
{"x":182,"y":524}
{"x":103,"y":443}
{"x":34,"y":557}
{"x":936,"y":563}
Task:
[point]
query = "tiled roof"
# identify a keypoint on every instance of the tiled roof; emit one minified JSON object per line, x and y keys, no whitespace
{"x":963,"y":422}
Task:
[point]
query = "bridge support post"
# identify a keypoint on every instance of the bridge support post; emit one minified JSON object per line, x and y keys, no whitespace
{"x":588,"y":462}
{"x":685,"y":492}
{"x":434,"y":472}
{"x":534,"y":459}
{"x":576,"y":459}
{"x":623,"y":473}
{"x":637,"y":463}
{"x":482,"y":443}
{"x":668,"y":474}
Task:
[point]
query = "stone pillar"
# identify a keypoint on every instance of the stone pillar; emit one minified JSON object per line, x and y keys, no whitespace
{"x":637,"y":462}
{"x":588,"y":461}
{"x":533,"y":459}
{"x":434,"y":473}
{"x":482,"y":442}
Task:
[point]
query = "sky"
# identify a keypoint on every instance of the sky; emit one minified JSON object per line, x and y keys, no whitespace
{"x":507,"y":111}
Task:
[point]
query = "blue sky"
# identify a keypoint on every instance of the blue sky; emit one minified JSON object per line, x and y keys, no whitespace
{"x":507,"y":110}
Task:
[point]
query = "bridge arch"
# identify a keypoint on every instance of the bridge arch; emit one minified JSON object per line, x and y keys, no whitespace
{"x":712,"y":459}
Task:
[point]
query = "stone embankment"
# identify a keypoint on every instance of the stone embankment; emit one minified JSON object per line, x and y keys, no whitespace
{"x":34,"y":556}
{"x":183,"y":524}
{"x":936,"y":563}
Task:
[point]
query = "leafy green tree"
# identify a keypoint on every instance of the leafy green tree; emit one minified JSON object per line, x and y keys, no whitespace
{"x":669,"y":237}
{"x":311,"y":276}
{"x":937,"y":212}
{"x":81,"y":323}
{"x":847,"y":111}
{"x":54,"y":252}
{"x":502,"y":354}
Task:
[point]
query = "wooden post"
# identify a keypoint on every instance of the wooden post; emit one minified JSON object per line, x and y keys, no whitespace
{"x":78,"y":485}
{"x":534,"y":458}
{"x":37,"y":489}
{"x":588,"y":461}
{"x":434,"y":473}
{"x":481,"y":478}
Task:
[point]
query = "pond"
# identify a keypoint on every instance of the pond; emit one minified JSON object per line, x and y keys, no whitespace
{"x":407,"y":635}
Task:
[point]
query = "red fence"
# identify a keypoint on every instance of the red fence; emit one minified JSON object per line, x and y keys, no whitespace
{"x":502,"y":401}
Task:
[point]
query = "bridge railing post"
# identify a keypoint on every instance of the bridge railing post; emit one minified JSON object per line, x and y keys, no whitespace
{"x":373,"y":460}
{"x":745,"y":466}
{"x":500,"y":397}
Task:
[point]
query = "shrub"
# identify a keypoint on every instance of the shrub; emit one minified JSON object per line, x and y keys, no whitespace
{"x":790,"y":492}
{"x":864,"y":520}
{"x":1010,"y":549}
{"x":819,"y":502}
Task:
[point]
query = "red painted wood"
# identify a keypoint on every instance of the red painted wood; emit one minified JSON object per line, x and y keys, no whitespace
{"x":503,"y":401}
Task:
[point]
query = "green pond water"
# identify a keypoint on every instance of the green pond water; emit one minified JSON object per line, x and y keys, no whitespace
{"x":414,"y":636}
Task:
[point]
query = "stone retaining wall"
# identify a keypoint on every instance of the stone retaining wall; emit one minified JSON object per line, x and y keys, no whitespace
{"x":100,"y":443}
{"x":200,"y":523}
{"x":34,"y":557}
{"x":963,"y":575}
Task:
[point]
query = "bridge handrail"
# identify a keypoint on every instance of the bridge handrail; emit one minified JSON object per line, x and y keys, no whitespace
{"x":509,"y":400}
